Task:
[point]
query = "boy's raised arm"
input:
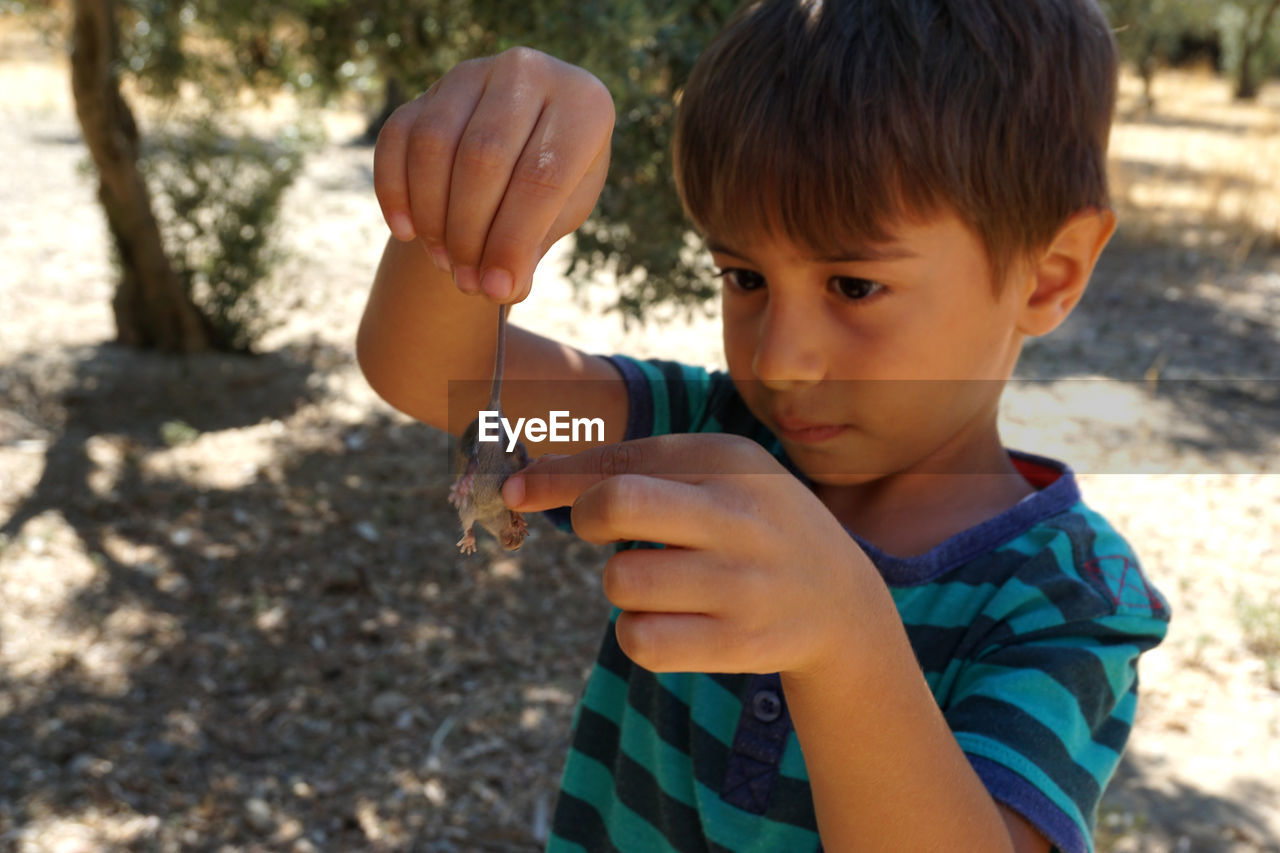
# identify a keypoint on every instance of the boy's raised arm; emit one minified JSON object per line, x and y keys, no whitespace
{"x":476,"y":179}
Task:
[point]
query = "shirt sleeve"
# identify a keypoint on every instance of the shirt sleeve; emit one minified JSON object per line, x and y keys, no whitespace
{"x":1045,"y":710}
{"x":664,"y":397}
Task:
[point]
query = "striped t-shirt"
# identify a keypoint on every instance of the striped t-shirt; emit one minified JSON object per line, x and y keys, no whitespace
{"x":1028,"y":629}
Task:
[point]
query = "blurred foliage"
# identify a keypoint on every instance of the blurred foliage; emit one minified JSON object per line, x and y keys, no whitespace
{"x":1245,"y":35}
{"x":175,"y":433}
{"x":324,"y":49}
{"x":1150,"y":32}
{"x":642,"y":53}
{"x":217,"y":188}
{"x":1261,"y":623}
{"x":1250,"y":33}
{"x":217,"y":200}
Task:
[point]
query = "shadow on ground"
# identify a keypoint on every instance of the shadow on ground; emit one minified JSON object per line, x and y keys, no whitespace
{"x":306,"y":658}
{"x":1144,"y":813}
{"x":1152,"y":319}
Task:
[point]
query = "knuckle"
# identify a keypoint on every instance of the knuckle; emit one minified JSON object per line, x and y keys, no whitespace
{"x":753,"y":644}
{"x":388,"y":191}
{"x":740,"y":446}
{"x":541,"y":175}
{"x":483,"y":149}
{"x":431,"y":140}
{"x":523,"y":57}
{"x":396,"y":127}
{"x":635,"y":640}
{"x":758,"y":597}
{"x":623,"y":497}
{"x":617,"y":580}
{"x":744,"y":454}
{"x":619,"y":459}
{"x":508,"y":249}
{"x":477,"y":65}
{"x":596,"y":95}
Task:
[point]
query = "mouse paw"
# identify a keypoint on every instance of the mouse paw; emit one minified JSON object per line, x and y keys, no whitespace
{"x":460,"y":491}
{"x":467,"y":544}
{"x":515,"y":532}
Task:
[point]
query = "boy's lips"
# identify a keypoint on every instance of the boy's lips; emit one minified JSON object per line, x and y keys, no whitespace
{"x":807,"y":432}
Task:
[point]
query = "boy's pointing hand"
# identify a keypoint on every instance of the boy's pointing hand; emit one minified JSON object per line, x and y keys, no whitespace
{"x":756,"y":575}
{"x":500,"y":158}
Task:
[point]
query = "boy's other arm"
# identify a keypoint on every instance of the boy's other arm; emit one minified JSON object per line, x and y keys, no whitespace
{"x":916,"y":766}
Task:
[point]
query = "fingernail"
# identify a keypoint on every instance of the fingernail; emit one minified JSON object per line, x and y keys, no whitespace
{"x":513,"y":490}
{"x":401,"y":227}
{"x":466,"y":279}
{"x":497,"y":283}
{"x":440,"y":258}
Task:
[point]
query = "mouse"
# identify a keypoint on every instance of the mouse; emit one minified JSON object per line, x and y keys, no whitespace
{"x":481,"y":467}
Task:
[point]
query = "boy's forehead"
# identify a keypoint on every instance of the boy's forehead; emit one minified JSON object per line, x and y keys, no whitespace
{"x":898,"y":239}
{"x":853,"y":252}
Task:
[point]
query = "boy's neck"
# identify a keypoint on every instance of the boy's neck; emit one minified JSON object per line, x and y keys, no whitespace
{"x":908,"y":514}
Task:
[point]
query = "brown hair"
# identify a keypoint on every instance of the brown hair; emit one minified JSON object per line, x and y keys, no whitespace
{"x":827,"y":122}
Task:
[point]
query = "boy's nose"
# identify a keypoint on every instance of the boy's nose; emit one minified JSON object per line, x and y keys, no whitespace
{"x":789,"y":349}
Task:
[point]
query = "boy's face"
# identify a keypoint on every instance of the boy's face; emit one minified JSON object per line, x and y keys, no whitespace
{"x":875,"y":362}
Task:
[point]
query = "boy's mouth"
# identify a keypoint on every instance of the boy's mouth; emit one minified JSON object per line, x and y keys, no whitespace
{"x":807,"y":432}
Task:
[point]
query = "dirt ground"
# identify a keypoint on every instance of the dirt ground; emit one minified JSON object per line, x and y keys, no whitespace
{"x":232,"y":616}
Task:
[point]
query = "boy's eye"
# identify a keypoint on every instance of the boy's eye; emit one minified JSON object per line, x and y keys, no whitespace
{"x":745,"y":280}
{"x":855,"y":288}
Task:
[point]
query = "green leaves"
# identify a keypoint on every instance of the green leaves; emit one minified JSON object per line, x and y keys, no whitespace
{"x":324,"y":49}
{"x":218,"y":198}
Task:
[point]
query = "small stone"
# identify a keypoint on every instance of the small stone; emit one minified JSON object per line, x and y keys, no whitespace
{"x":366,"y":531}
{"x":160,"y":752}
{"x":435,"y":792}
{"x":257,"y":814}
{"x":387,"y":704}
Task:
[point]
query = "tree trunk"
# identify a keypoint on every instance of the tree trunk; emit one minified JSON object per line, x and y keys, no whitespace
{"x":1147,"y":71}
{"x":1247,"y":82}
{"x":392,"y":97}
{"x":152,"y":310}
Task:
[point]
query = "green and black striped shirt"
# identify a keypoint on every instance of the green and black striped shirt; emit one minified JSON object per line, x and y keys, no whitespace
{"x":1028,"y":628}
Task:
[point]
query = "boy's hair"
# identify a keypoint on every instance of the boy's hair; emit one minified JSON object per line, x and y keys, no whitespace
{"x":827,"y":122}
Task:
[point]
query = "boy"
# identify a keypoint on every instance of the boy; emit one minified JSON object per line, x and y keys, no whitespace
{"x":906,"y":637}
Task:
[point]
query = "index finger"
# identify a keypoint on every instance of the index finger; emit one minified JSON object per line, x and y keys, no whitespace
{"x":553,"y":187}
{"x":553,"y":481}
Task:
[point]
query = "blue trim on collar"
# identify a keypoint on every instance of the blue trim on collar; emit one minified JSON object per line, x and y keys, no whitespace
{"x":1055,"y":499}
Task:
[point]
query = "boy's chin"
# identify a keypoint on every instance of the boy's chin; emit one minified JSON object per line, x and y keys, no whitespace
{"x":825,"y":473}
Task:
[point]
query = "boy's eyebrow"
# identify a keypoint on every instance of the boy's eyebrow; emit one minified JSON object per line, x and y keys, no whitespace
{"x":859,"y":254}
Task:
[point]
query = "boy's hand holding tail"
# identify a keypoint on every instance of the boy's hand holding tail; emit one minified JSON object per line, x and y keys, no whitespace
{"x":500,"y":158}
{"x":757,"y":575}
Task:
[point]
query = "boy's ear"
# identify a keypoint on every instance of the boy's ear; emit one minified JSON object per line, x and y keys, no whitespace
{"x":1057,"y":279}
